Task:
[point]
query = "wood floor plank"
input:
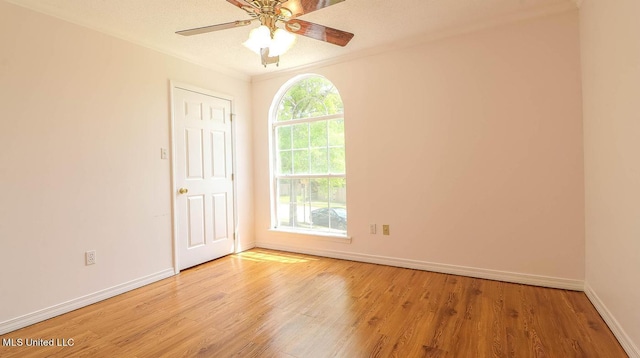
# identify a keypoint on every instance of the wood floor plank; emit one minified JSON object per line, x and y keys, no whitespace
{"x":264,"y":303}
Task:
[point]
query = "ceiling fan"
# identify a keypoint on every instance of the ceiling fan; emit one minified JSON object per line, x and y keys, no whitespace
{"x":269,"y":40}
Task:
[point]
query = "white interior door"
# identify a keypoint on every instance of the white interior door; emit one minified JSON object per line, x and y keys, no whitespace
{"x":204,"y":212}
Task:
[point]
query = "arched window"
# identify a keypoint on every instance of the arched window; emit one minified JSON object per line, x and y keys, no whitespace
{"x":309,"y":191}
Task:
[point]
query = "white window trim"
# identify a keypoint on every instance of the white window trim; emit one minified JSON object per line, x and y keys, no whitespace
{"x":273,"y":112}
{"x":325,"y":236}
{"x":291,"y":122}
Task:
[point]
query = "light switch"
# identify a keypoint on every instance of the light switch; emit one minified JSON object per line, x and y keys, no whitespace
{"x":164,"y":153}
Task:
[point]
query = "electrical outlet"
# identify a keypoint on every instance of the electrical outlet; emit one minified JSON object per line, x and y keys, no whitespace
{"x":372,"y":229}
{"x":385,"y":229}
{"x":90,"y":257}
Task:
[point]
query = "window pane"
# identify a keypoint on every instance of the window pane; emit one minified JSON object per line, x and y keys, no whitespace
{"x":336,"y":160}
{"x":338,"y":203}
{"x":285,"y":110}
{"x":336,"y":132}
{"x":328,"y":205}
{"x":294,"y":203}
{"x":310,"y":97}
{"x":284,"y":137}
{"x":284,"y":191}
{"x":301,"y":161}
{"x":333,"y":102}
{"x":318,"y":132}
{"x":319,"y":192}
{"x":319,"y":195}
{"x":307,"y":107}
{"x":285,"y":162}
{"x":301,"y":135}
{"x":338,"y":191}
{"x":319,"y":162}
{"x":303,"y":204}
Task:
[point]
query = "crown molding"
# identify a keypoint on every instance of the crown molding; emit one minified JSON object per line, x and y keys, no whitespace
{"x":168,"y":52}
{"x":458,"y":30}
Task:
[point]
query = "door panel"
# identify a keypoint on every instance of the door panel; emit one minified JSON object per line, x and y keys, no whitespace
{"x":193,"y":153}
{"x":192,"y":109}
{"x":203,"y":168}
{"x":218,"y":114}
{"x":220,"y":216}
{"x":196,"y":221}
{"x":219,"y":155}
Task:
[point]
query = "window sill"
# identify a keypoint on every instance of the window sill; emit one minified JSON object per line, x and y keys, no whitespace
{"x":343,"y":239}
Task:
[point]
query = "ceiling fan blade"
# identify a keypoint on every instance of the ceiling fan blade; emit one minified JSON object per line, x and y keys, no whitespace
{"x":237,"y":3}
{"x":301,"y":7}
{"x":319,"y":32}
{"x":245,"y":6}
{"x":205,"y":29}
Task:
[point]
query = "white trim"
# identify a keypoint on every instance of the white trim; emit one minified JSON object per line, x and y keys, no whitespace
{"x":317,"y":235}
{"x":245,"y":247}
{"x":532,"y":12}
{"x":234,"y":176}
{"x":172,"y":140}
{"x":429,"y":37}
{"x":192,"y":88}
{"x":625,"y":341}
{"x":505,"y":276}
{"x":290,"y":122}
{"x":310,"y":176}
{"x":273,"y":150}
{"x":124,"y":37}
{"x":65,"y":307}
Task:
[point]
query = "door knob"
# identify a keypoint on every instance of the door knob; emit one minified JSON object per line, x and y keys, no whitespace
{"x":183,"y":190}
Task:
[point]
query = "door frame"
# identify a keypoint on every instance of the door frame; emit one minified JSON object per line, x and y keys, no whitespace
{"x":173,"y":85}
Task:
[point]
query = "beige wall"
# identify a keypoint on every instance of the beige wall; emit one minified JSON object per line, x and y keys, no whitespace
{"x":610,"y":43}
{"x":470,"y":147}
{"x":83,"y":117}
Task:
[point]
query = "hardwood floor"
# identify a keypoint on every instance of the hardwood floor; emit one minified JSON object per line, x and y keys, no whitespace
{"x":264,"y":303}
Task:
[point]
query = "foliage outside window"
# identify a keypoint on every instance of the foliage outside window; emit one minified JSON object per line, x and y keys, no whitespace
{"x":309,"y":158}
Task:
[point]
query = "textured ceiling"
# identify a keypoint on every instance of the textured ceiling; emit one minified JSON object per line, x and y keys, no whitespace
{"x":375,"y":23}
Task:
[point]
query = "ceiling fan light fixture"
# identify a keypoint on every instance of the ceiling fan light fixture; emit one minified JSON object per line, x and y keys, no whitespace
{"x":282,"y":42}
{"x":269,"y":41}
{"x":259,"y":38}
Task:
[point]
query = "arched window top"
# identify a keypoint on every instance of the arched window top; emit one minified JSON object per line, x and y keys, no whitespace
{"x":307,"y":97}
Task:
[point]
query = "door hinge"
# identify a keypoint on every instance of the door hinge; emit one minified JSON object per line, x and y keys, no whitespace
{"x":234,"y":236}
{"x":232,"y":176}
{"x":232,"y":116}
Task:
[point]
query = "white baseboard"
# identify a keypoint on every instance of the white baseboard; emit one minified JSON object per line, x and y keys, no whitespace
{"x":61,"y":308}
{"x":246,"y":246}
{"x":513,"y":277}
{"x":625,"y":341}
